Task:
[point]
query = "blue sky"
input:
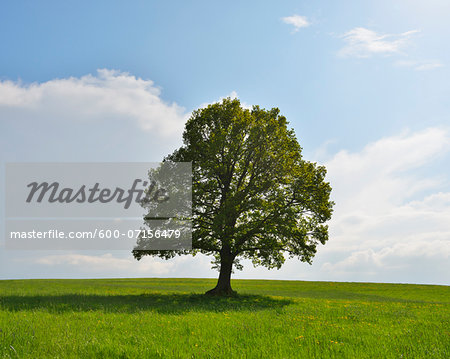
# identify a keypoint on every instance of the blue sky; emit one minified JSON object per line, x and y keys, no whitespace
{"x":364,"y":84}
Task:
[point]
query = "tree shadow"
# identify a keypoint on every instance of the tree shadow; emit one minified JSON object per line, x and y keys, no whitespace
{"x":175,"y":303}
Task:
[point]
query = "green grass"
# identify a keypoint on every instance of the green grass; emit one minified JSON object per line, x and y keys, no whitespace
{"x":170,"y":318}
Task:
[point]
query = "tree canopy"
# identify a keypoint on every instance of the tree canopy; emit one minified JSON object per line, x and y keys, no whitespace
{"x":254,"y":196}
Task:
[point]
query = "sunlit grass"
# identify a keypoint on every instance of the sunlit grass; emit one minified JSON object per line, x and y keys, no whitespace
{"x":145,"y":318}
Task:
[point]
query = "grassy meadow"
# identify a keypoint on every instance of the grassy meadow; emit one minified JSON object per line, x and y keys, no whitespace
{"x":170,"y":318}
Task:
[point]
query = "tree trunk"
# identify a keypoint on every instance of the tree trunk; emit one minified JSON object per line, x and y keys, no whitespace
{"x":223,"y":286}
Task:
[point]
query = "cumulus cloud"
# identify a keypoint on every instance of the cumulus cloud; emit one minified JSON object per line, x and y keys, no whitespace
{"x":390,"y":219}
{"x":106,"y":264}
{"x":395,"y":257}
{"x":111,"y":265}
{"x":384,"y":164}
{"x":362,"y":42}
{"x":107,"y":95}
{"x":297,"y":21}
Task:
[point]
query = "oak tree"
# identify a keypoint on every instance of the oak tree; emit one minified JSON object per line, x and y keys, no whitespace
{"x":254,"y":196}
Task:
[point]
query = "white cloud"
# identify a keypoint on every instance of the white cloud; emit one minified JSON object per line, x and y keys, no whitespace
{"x":107,"y":95}
{"x":297,"y":21}
{"x":428,"y":66}
{"x":107,"y":264}
{"x":420,"y":65}
{"x":436,"y":202}
{"x":362,"y":42}
{"x":384,"y":165}
{"x":121,"y":264}
{"x":232,"y":95}
{"x":424,"y":260}
{"x":389,"y":220}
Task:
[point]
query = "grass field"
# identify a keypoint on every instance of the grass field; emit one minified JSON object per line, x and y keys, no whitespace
{"x":170,"y":318}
